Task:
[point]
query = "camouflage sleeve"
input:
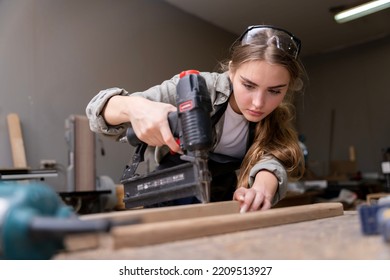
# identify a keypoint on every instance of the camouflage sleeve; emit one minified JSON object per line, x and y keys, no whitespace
{"x":166,"y":92}
{"x":93,"y":111}
{"x":274,"y":166}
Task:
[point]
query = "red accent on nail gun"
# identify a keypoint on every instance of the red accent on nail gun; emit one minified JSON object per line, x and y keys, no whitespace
{"x":187,"y":72}
{"x":186,"y":106}
{"x":178,"y":143}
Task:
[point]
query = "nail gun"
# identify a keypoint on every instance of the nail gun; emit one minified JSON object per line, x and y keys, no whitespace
{"x":191,"y":124}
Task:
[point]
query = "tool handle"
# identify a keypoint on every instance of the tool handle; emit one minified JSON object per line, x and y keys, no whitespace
{"x":133,"y":140}
{"x":46,"y":227}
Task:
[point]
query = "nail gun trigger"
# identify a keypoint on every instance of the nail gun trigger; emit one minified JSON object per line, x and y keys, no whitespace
{"x":177,"y":140}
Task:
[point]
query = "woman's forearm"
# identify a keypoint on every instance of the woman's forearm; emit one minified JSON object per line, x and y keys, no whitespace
{"x":119,"y":109}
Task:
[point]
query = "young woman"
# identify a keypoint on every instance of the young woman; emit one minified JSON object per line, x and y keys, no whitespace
{"x":253,"y":115}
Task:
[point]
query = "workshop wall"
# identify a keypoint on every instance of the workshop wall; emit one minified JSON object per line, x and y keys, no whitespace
{"x":56,"y":55}
{"x":354,"y":84}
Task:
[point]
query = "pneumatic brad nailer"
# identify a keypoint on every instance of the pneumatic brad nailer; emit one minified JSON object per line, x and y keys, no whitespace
{"x":191,"y":124}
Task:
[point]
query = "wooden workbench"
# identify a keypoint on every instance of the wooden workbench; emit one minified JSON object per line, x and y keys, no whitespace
{"x":338,"y":238}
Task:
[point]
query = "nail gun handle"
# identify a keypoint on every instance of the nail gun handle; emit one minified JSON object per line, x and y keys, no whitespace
{"x":133,"y":140}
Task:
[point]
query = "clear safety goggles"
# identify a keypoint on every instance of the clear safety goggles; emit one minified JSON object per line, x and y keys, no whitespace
{"x":284,"y":40}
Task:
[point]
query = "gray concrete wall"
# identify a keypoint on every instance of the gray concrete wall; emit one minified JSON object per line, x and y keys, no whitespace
{"x":354,"y":84}
{"x":57,"y":54}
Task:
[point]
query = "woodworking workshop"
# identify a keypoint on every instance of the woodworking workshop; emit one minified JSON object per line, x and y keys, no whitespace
{"x":139,"y":130}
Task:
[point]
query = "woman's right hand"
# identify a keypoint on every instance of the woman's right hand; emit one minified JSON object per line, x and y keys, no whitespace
{"x":149,"y":119}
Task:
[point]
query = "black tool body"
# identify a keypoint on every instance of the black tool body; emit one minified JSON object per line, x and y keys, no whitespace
{"x":192,"y":125}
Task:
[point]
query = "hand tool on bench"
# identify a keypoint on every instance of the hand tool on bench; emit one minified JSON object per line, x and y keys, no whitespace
{"x":375,"y":218}
{"x":34,"y":221}
{"x":191,"y":124}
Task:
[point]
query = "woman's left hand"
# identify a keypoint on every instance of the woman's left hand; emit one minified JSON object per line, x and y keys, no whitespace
{"x":259,"y":196}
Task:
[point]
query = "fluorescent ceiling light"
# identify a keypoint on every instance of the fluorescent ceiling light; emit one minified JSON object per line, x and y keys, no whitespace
{"x":362,"y":10}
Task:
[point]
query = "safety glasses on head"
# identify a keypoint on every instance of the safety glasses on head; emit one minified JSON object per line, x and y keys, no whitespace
{"x":282,"y":39}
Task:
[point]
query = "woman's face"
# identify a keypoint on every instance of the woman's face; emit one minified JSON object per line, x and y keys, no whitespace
{"x":258,"y":88}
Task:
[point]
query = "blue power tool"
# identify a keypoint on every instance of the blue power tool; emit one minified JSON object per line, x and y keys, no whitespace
{"x":375,"y":218}
{"x":34,"y":221}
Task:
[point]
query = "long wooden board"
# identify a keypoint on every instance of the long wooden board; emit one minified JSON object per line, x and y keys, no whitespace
{"x":16,"y":140}
{"x":186,"y":228}
{"x":162,"y":214}
{"x":149,"y":215}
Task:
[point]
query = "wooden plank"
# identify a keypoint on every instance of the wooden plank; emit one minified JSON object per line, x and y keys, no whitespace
{"x":174,"y":230}
{"x":16,"y":140}
{"x":84,"y":153}
{"x":162,"y":214}
{"x":82,"y":242}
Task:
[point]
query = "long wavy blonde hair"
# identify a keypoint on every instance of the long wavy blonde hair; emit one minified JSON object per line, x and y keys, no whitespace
{"x":275,"y":135}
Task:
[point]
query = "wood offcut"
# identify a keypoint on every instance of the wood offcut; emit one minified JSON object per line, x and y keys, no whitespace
{"x":16,"y":140}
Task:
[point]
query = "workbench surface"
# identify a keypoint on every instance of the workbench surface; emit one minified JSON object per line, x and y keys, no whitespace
{"x":338,"y":238}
